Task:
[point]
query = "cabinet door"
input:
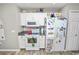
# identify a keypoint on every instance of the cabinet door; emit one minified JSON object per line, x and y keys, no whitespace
{"x":59,"y":44}
{"x":23,"y":19}
{"x":40,"y":17}
{"x":42,"y":41}
{"x":22,"y":42}
{"x":72,"y":36}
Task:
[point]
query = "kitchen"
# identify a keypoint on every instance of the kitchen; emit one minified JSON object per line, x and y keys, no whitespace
{"x":39,"y":27}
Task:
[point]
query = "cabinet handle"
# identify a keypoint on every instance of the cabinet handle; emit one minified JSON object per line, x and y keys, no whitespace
{"x":75,"y":34}
{"x":59,"y":41}
{"x":2,"y":37}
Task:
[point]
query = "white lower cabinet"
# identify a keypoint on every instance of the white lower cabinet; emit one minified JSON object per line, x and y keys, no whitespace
{"x":42,"y":41}
{"x":22,"y":41}
{"x":59,"y":44}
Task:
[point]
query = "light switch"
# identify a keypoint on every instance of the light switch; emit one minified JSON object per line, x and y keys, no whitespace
{"x":13,"y":31}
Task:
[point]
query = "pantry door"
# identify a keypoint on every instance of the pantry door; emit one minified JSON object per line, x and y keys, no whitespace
{"x":72,"y":42}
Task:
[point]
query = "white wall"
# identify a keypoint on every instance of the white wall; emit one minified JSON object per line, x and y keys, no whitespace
{"x":38,"y":10}
{"x":9,"y":13}
{"x":65,"y":13}
{"x":65,"y":10}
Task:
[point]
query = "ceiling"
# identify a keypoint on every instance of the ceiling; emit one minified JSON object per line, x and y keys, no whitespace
{"x":36,"y":6}
{"x":41,"y":5}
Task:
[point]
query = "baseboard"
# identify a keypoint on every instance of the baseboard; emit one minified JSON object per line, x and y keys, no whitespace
{"x":9,"y":49}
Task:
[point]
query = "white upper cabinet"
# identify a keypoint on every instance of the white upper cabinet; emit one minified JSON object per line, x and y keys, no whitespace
{"x":22,"y":19}
{"x":32,"y":19}
{"x":40,"y":17}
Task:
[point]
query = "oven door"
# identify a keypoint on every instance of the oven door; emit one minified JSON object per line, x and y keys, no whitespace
{"x":32,"y":42}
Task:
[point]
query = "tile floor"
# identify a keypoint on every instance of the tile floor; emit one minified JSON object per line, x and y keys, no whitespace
{"x":40,"y":52}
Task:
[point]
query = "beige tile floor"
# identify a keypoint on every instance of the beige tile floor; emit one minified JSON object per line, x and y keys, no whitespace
{"x":43,"y":52}
{"x":40,"y":52}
